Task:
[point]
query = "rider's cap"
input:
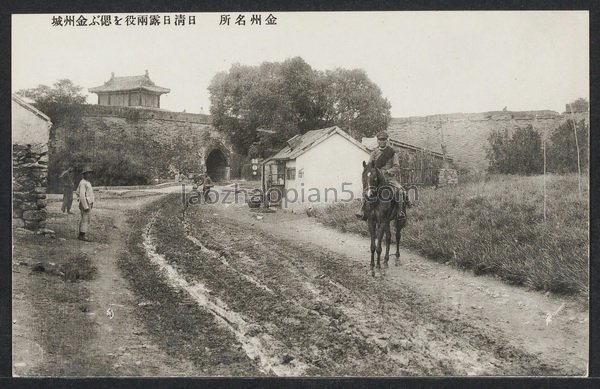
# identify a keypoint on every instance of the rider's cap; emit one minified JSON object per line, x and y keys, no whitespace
{"x":382,"y":135}
{"x":87,"y":169}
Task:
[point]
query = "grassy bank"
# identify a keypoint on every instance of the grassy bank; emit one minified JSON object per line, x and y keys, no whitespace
{"x":496,"y":226}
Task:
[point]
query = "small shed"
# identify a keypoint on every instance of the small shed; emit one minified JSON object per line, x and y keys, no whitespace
{"x":419,"y":166}
{"x":320,"y":166}
{"x":130,"y":91}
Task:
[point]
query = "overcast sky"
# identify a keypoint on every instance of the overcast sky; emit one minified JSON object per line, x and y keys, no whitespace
{"x":424,"y":62}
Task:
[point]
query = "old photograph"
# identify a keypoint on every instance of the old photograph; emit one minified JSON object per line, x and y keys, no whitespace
{"x":300,"y":194}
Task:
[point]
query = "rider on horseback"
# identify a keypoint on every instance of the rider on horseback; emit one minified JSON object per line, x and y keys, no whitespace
{"x":386,"y":160}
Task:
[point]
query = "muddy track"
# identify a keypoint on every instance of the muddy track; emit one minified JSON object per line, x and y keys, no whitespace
{"x":297,"y":309}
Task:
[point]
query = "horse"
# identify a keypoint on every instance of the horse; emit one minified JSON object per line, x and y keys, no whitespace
{"x":382,"y":205}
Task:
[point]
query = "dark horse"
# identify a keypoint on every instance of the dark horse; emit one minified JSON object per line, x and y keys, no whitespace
{"x":384,"y":203}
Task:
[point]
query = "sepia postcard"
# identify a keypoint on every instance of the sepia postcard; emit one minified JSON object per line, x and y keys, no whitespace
{"x":300,"y":194}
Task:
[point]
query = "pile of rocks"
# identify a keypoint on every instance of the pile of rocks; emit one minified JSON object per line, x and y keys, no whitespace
{"x":447,"y":177}
{"x":30,"y":179}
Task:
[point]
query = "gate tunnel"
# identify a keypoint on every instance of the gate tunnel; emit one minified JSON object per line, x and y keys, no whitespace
{"x":217,"y":165}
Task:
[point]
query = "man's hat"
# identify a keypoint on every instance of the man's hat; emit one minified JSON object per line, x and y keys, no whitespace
{"x":87,"y":169}
{"x":382,"y":135}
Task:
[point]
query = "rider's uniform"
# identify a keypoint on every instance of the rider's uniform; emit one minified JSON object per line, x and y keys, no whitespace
{"x":386,"y":160}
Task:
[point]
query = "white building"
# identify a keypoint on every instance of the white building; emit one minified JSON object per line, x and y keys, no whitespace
{"x":321,"y":166}
{"x":29,"y":125}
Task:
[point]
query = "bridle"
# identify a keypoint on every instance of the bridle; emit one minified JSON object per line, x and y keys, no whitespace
{"x":371,"y":192}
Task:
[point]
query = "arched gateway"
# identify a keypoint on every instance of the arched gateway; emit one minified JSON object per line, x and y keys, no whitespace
{"x":217,"y":165}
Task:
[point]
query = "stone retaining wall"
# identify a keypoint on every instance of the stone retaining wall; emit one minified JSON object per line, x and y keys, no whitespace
{"x":30,"y":179}
{"x":447,"y":177}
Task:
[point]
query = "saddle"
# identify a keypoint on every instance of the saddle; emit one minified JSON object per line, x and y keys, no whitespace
{"x":399,"y":200}
{"x":400,"y":203}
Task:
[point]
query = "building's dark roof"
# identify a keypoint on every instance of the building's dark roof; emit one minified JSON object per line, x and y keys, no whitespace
{"x":302,"y":143}
{"x":129,"y":83}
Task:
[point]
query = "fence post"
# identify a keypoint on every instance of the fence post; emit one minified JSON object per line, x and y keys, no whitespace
{"x":576,"y":146}
{"x":544,"y":156}
{"x":544,"y":148}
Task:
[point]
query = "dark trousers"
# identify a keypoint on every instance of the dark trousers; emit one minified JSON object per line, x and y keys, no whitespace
{"x":67,"y":200}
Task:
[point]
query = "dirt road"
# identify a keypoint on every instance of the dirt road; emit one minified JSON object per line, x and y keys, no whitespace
{"x":219,"y":291}
{"x":63,"y":328}
{"x":297,"y":297}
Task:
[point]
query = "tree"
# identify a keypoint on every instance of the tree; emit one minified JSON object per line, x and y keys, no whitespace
{"x":525,"y":153}
{"x":59,"y":102}
{"x":497,"y":153}
{"x":63,"y":103}
{"x":520,"y":153}
{"x":355,"y":104}
{"x":260,"y":107}
{"x":562,"y":151}
{"x":579,"y":105}
{"x":64,"y":91}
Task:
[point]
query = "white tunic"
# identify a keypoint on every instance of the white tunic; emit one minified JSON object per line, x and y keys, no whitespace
{"x":85,"y":193}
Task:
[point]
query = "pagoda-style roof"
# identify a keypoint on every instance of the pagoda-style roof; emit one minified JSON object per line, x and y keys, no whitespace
{"x":127,"y":83}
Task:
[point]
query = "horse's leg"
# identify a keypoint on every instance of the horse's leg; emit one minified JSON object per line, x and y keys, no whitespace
{"x":398,"y":234}
{"x":388,"y":241}
{"x":380,"y":231}
{"x":372,"y":232}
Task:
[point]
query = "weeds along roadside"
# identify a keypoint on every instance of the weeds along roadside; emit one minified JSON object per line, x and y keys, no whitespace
{"x":496,"y":226}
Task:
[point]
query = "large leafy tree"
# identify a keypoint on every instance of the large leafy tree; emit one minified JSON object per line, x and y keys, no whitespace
{"x":260,"y":107}
{"x":355,"y":103}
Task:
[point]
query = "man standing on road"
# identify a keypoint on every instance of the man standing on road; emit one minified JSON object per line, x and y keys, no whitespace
{"x":86,"y":202}
{"x":386,"y":160}
{"x":66,"y":181}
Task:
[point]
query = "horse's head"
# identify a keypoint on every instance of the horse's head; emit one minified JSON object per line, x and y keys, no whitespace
{"x":372,"y":179}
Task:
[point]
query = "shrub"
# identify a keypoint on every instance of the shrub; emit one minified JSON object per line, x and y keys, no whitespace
{"x":562,"y":151}
{"x":111,"y":168}
{"x":520,"y":153}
